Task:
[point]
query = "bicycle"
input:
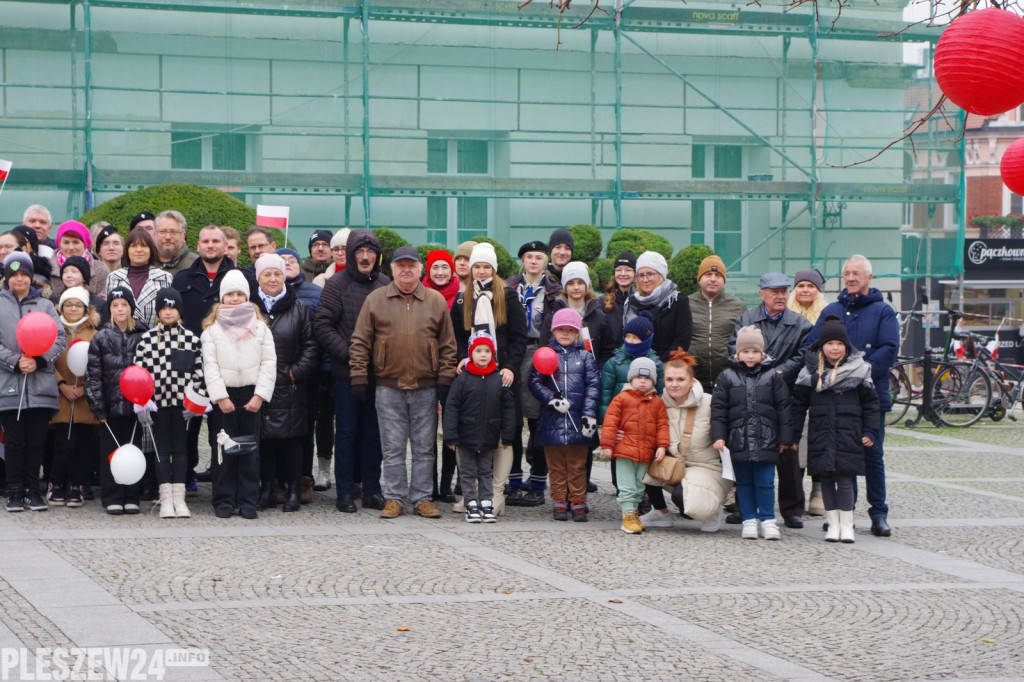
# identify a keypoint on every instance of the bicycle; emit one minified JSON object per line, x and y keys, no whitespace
{"x":1005,"y":380}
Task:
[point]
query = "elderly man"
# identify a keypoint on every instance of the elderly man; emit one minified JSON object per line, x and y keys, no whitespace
{"x":357,"y":453}
{"x":785,"y":336}
{"x":174,"y":254}
{"x":872,"y":328}
{"x":714,"y":315}
{"x":39,"y":219}
{"x":407,"y":330}
{"x":319,"y":255}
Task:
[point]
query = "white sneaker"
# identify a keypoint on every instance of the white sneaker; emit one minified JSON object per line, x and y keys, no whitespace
{"x":770,"y":530}
{"x":713,"y":523}
{"x":655,"y":519}
{"x":749,"y":529}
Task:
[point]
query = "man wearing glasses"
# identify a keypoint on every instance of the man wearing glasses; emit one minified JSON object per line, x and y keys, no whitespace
{"x":173,"y":253}
{"x":258,"y":240}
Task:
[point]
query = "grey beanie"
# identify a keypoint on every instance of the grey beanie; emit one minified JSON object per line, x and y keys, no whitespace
{"x":643,"y":367}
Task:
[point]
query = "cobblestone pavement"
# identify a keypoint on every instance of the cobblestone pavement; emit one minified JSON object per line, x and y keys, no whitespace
{"x":319,"y":595}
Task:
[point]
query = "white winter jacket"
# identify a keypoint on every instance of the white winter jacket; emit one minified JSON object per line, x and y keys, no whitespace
{"x":251,"y":362}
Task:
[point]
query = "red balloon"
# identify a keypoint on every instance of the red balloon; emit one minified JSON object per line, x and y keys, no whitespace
{"x":1011,"y":167}
{"x":136,"y":384}
{"x":545,"y":360}
{"x":979,"y":61}
{"x":36,"y":333}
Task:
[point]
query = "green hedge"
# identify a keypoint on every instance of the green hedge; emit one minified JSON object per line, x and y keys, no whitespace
{"x":602,"y":272}
{"x":682,"y":269}
{"x":637,"y":241}
{"x":389,"y":241}
{"x":588,"y":243}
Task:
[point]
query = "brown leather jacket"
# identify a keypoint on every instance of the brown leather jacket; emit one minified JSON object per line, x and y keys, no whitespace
{"x":408,"y":340}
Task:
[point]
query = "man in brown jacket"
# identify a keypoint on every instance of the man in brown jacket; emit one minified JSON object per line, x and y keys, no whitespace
{"x":404,"y":332}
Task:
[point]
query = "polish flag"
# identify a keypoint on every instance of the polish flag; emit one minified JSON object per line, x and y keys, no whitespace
{"x":272,"y":216}
{"x":993,"y":346}
{"x":5,"y":168}
{"x":957,"y":346}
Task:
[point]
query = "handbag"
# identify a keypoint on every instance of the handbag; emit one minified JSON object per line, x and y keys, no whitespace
{"x":671,"y":469}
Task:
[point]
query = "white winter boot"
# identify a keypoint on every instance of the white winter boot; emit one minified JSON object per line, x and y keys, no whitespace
{"x":178,"y":495}
{"x":832,"y":518}
{"x":713,"y":523}
{"x":770,"y":530}
{"x":845,"y":526}
{"x":324,"y":474}
{"x":166,"y":504}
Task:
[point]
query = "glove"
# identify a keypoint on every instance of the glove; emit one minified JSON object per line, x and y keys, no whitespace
{"x":560,"y":404}
{"x":589,"y":427}
{"x":360,"y":393}
{"x":188,"y":414}
{"x":442,"y":393}
{"x":143,"y":412}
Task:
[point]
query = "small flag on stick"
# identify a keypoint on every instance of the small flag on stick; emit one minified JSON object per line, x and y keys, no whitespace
{"x":272,"y":216}
{"x":5,"y":168}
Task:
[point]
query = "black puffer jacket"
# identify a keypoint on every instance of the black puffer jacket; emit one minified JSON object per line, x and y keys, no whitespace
{"x":673,"y":324}
{"x":110,"y":351}
{"x":479,"y":412}
{"x":750,"y":411}
{"x":341,"y":301}
{"x":840,"y":416}
{"x":291,"y":323}
{"x":784,"y":339}
{"x":510,"y":336}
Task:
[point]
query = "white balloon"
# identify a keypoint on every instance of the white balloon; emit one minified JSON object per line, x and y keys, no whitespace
{"x":127,"y":464}
{"x":78,"y":358}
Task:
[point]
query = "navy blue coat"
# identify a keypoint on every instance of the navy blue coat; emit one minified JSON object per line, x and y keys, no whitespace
{"x":579,"y":382}
{"x":872,"y":327}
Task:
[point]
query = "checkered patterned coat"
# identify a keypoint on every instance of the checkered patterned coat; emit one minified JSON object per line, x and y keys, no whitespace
{"x":173,"y":355}
{"x":145,"y":302}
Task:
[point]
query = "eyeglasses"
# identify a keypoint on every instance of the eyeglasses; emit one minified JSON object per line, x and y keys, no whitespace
{"x":168,"y":233}
{"x":258,"y":247}
{"x":337,"y":249}
{"x":73,"y":304}
{"x":647,"y":275}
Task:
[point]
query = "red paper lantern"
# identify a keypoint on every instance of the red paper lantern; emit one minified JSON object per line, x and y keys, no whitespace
{"x":979,"y":61}
{"x":545,"y":360}
{"x":1011,"y":167}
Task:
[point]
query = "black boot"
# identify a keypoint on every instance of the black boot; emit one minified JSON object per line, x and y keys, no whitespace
{"x":266,"y":499}
{"x":292,"y":500}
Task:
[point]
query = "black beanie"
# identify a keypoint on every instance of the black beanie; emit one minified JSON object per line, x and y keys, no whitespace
{"x":833,"y":329}
{"x":169,"y":298}
{"x":30,"y":235}
{"x":121,"y":292}
{"x":82,"y":265}
{"x":562,"y":236}
{"x":627,"y":258}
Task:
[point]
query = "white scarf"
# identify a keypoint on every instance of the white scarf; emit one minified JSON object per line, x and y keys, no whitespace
{"x":483,"y":312}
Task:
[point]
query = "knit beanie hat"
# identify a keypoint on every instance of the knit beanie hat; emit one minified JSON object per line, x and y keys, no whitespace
{"x":440,"y":255}
{"x":464,"y":250}
{"x":484,"y":253}
{"x":82,"y":265}
{"x":29,"y":234}
{"x":265,"y":262}
{"x":643,"y":367}
{"x":749,"y":337}
{"x":813,"y":276}
{"x":169,"y":297}
{"x":481,"y":338}
{"x":562,"y":236}
{"x":80,"y":294}
{"x":18,"y":261}
{"x":320,"y":236}
{"x":575,"y":270}
{"x":73,"y":228}
{"x":711,"y":264}
{"x":627,"y":258}
{"x":122,"y":292}
{"x":833,"y":329}
{"x":234,"y":280}
{"x":567,"y":317}
{"x":640,"y":325}
{"x":653,"y":260}
{"x":340,"y":237}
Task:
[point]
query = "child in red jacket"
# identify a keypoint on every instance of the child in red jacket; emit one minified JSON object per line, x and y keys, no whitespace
{"x":640,"y":415}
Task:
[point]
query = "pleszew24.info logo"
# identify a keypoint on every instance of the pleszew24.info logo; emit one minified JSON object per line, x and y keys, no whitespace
{"x":96,"y":663}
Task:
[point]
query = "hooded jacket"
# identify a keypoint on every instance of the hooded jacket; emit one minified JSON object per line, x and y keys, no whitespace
{"x":872,"y":328}
{"x":576,"y":379}
{"x":40,"y":385}
{"x":291,"y":324}
{"x":84,"y":332}
{"x":615,"y":375}
{"x":110,"y":351}
{"x":342,"y":299}
{"x":713,"y":325}
{"x":643,"y":421}
{"x":479,"y":413}
{"x":784,"y":339}
{"x":750,"y":411}
{"x":704,"y":488}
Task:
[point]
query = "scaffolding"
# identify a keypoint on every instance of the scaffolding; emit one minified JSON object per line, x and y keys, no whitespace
{"x":805,"y":189}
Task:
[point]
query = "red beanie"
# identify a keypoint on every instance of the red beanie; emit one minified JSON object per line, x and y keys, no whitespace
{"x":434,"y":256}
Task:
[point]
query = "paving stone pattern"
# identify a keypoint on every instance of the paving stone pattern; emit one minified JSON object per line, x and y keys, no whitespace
{"x":319,"y":595}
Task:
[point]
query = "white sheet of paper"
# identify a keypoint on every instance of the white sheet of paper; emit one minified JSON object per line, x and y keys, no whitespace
{"x":727,"y":471}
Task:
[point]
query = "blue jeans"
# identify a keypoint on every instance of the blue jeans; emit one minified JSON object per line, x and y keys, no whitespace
{"x":755,"y":489}
{"x":874,"y":477}
{"x":407,"y":418}
{"x":356,"y":438}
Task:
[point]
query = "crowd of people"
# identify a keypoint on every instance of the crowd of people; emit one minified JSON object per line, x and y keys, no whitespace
{"x":332,"y":370}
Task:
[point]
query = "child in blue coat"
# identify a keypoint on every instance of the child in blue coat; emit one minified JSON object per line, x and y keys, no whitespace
{"x":568,"y":419}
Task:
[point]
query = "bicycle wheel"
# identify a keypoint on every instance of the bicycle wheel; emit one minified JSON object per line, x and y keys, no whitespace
{"x":961,"y":394}
{"x":900,"y":395}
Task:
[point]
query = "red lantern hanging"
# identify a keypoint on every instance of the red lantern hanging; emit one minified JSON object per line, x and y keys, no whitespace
{"x":1011,"y":167}
{"x":979,"y":61}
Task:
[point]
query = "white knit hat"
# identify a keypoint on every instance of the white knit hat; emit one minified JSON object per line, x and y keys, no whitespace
{"x":77,"y":293}
{"x":484,"y":253}
{"x":234,"y":280}
{"x":269,"y":260}
{"x":576,"y":270}
{"x":340,"y":237}
{"x":653,"y":260}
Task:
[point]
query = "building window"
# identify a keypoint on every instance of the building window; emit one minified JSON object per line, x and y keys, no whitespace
{"x":195,"y":150}
{"x":718,"y":222}
{"x":453,"y":220}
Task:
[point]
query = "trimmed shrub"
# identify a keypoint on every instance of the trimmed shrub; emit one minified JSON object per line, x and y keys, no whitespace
{"x":682,"y":269}
{"x":637,"y":241}
{"x":588,"y":243}
{"x":389,"y":241}
{"x":602,"y":272}
{"x":507,"y":265}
